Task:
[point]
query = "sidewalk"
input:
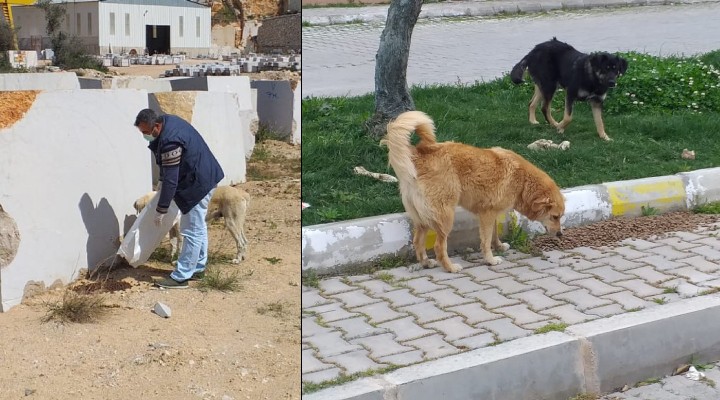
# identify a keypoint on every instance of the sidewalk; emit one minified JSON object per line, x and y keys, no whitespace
{"x":632,"y":311}
{"x":378,"y":13}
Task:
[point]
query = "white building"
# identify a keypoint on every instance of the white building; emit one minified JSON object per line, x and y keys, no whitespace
{"x":155,"y":26}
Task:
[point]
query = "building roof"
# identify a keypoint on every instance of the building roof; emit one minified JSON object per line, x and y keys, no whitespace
{"x":169,"y":3}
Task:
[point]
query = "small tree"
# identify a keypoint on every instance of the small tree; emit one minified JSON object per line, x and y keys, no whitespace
{"x":391,"y":92}
{"x":6,"y":43}
{"x":69,"y":50}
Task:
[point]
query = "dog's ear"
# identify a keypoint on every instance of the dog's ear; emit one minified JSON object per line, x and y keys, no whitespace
{"x":540,"y":205}
{"x":623,"y":65}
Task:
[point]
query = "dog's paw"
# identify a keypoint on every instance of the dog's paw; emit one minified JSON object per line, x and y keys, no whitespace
{"x":561,"y":130}
{"x":495,"y":260}
{"x":534,"y":122}
{"x":455,"y":268}
{"x":606,"y":138}
{"x":504,"y":247}
{"x":415,"y":267}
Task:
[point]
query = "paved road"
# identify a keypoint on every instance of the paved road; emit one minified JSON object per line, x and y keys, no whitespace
{"x":677,"y":387}
{"x":340,"y":59}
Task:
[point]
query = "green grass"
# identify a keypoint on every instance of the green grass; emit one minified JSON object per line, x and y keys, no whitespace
{"x":650,"y":128}
{"x":648,"y":210}
{"x":559,"y":327}
{"x":217,"y":280}
{"x":708,"y":208}
{"x":77,"y":308}
{"x":310,"y":387}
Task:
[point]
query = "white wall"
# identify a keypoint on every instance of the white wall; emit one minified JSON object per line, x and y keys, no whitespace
{"x":247,"y":111}
{"x":71,"y":170}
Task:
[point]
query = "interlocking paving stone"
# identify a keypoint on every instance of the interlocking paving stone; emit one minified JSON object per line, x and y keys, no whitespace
{"x":359,"y":278}
{"x":687,"y":236}
{"x":311,"y":298}
{"x":381,"y":345}
{"x":475,"y":342}
{"x":464,"y":285}
{"x":514,"y":255}
{"x":588,"y":253}
{"x":701,"y":264}
{"x":712,"y":242}
{"x":483,"y":273}
{"x":596,"y":287}
{"x":539,"y":263}
{"x":355,"y":328}
{"x":555,"y":255}
{"x":310,"y":363}
{"x":569,"y":314}
{"x":683,"y":287}
{"x":405,"y":329}
{"x":639,"y":287}
{"x":521,"y":314}
{"x":310,"y":327}
{"x":425,"y":312}
{"x":653,"y":391}
{"x":474,"y":313}
{"x":376,"y":287}
{"x":606,"y":311}
{"x":423,"y":285}
{"x":478,"y":261}
{"x":706,"y":251}
{"x":713,"y":283}
{"x":620,"y":263}
{"x":440,"y":274}
{"x":321,"y":376}
{"x":608,"y":274}
{"x":681,"y":384}
{"x":567,"y":274}
{"x":523,"y":274}
{"x":551,"y":285}
{"x":628,"y":301}
{"x":627,"y":253}
{"x":668,"y":252}
{"x":334,"y":285}
{"x":402,"y":297}
{"x":453,"y":328}
{"x":355,"y":298}
{"x":578,"y":264}
{"x":331,"y":343}
{"x":504,"y":329}
{"x":379,"y":312}
{"x":678,"y":243}
{"x":639,"y":244}
{"x":661,"y":263}
{"x":649,"y":274}
{"x":402,"y":273}
{"x":433,"y":346}
{"x":354,"y":361}
{"x":407,"y":358}
{"x":446,"y":298}
{"x":536,"y":299}
{"x":692,"y":275}
{"x":492,"y":298}
{"x":582,"y":299}
{"x":331,"y":312}
{"x":508,"y":285}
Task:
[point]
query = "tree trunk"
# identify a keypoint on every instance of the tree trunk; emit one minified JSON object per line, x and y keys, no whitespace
{"x":391,"y":91}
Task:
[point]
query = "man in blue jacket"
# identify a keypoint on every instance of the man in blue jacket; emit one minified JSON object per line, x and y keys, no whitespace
{"x":189,"y":174}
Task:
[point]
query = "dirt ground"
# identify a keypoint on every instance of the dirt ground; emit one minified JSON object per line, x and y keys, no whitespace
{"x":215,"y":345}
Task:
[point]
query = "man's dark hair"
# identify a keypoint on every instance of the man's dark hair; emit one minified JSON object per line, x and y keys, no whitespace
{"x":148,"y":116}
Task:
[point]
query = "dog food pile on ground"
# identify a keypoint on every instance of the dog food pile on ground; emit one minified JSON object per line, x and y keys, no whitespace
{"x":607,"y":233}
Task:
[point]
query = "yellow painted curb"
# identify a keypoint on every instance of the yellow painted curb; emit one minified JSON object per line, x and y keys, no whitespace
{"x":629,"y":200}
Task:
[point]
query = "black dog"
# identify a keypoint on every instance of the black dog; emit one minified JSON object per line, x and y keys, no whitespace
{"x":584,"y":77}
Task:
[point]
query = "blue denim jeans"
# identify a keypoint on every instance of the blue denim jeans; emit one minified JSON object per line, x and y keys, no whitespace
{"x":193,"y":255}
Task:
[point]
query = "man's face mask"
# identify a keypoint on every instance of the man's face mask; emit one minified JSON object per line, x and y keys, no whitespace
{"x":149,"y":138}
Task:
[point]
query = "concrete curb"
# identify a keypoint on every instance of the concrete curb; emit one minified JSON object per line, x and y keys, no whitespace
{"x":337,"y":248}
{"x":378,"y":13}
{"x":593,"y":357}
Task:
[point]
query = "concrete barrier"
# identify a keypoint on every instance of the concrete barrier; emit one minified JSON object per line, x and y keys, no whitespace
{"x":330,"y":248}
{"x":39,"y":81}
{"x":72,"y":167}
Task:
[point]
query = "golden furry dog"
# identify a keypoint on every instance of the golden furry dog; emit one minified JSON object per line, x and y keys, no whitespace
{"x":229,"y":202}
{"x":436,"y":177}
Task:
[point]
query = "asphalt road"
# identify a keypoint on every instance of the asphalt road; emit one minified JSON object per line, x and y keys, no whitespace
{"x":340,"y":59}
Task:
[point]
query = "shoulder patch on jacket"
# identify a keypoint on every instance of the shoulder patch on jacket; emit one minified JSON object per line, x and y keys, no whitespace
{"x":171,"y":157}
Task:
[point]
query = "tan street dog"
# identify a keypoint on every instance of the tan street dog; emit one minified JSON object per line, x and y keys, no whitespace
{"x":229,"y":202}
{"x":434,"y":178}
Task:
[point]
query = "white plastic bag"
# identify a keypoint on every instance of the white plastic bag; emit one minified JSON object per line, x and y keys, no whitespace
{"x":144,"y":237}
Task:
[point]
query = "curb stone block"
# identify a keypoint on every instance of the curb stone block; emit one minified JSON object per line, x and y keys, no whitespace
{"x":665,"y":193}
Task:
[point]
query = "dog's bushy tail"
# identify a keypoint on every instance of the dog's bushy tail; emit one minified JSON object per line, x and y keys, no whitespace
{"x":398,"y":141}
{"x":516,"y":75}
